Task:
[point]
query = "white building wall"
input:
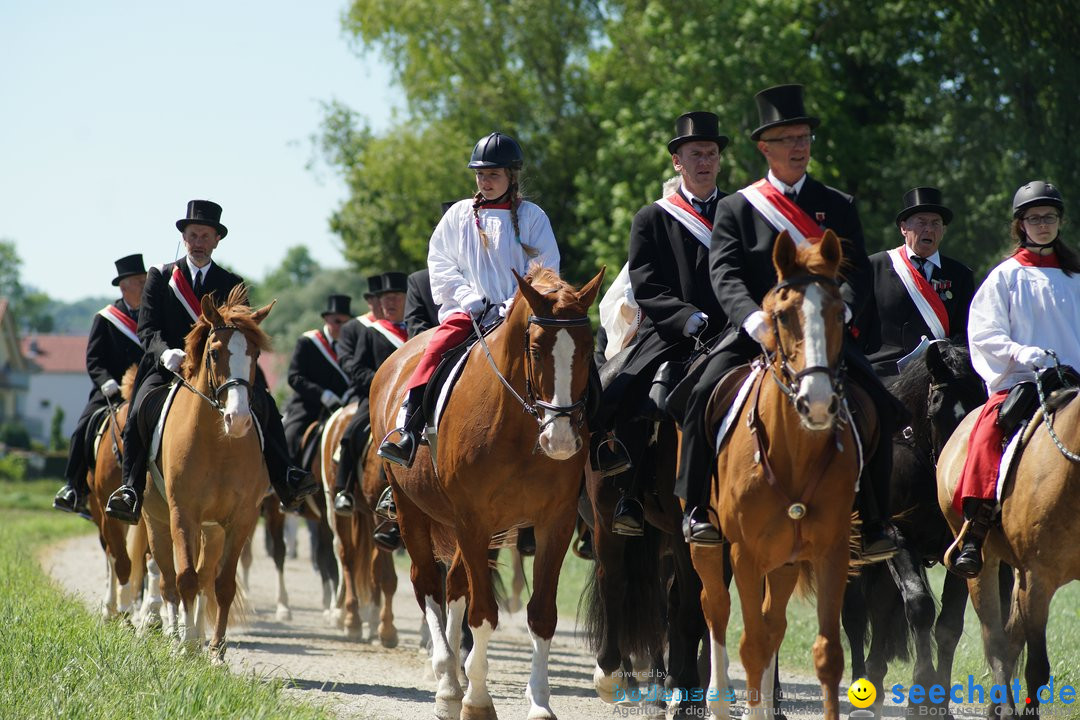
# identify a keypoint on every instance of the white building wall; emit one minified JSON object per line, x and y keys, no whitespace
{"x":47,"y":390}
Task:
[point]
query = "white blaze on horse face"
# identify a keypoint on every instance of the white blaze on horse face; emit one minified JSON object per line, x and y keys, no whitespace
{"x":815,"y":393}
{"x":560,"y":440}
{"x":237,"y":417}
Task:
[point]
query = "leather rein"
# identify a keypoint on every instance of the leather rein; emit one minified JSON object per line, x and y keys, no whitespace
{"x":215,"y":389}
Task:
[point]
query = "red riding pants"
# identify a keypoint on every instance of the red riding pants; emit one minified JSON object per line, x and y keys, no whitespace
{"x":980,"y":474}
{"x":451,"y":333}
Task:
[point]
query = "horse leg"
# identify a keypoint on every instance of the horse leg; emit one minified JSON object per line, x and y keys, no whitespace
{"x":236,"y":538}
{"x":517,"y":580}
{"x":161,"y":568}
{"x":716,"y":606}
{"x":779,"y":585}
{"x":275,"y":529}
{"x":185,"y":537}
{"x":483,"y":616}
{"x":754,"y":646}
{"x":350,"y":604}
{"x":685,"y":632}
{"x":854,"y":618}
{"x":606,"y":607}
{"x":552,"y":541}
{"x":385,"y":577}
{"x":1031,"y":610}
{"x":457,"y":593}
{"x":986,"y":599}
{"x":885,"y":606}
{"x":135,"y":551}
{"x":948,"y":627}
{"x":910,"y":578}
{"x":831,"y":571}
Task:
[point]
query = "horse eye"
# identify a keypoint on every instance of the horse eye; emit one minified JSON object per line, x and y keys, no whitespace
{"x":213,"y":354}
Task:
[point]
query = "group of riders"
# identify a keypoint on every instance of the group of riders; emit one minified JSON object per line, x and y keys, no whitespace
{"x":688,"y":309}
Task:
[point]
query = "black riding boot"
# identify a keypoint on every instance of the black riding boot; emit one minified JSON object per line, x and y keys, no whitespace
{"x":403,"y":452}
{"x":877,"y":544}
{"x":629,"y":516}
{"x":125,"y":503}
{"x":969,"y":561}
{"x":609,"y":456}
{"x":343,"y":499}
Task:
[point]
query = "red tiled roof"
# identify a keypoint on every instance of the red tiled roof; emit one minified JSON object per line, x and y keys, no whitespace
{"x":56,"y":353}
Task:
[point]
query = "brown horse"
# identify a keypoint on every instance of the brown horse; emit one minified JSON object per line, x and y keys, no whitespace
{"x":785,"y":482}
{"x":212,"y":473}
{"x":510,"y":454}
{"x":1038,"y":522}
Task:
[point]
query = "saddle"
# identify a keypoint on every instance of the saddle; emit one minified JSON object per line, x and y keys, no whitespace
{"x":447,"y":372}
{"x":723,"y":397}
{"x":95,"y":430}
{"x":1023,"y":399}
{"x":309,"y":443}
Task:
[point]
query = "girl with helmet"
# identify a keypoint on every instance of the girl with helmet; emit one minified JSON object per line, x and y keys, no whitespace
{"x":470,"y":257}
{"x":1028,"y":303}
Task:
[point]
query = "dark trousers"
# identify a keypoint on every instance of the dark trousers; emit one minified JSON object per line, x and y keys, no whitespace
{"x":295,"y":425}
{"x":698,"y":452}
{"x":352,"y":444}
{"x":275,"y":449}
{"x":77,"y":469}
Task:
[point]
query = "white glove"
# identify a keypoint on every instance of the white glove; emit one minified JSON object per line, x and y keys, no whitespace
{"x":330,"y":399}
{"x":1031,"y":356}
{"x":847,"y":313}
{"x":173,"y":358}
{"x":695,"y":323}
{"x":757,"y":326}
{"x":475,"y":307}
{"x":504,"y":309}
{"x":110,"y":389}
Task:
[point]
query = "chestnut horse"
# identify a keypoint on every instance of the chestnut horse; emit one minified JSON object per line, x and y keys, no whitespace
{"x":211,"y":465}
{"x":510,"y":453}
{"x":1038,"y":523}
{"x":785,"y":482}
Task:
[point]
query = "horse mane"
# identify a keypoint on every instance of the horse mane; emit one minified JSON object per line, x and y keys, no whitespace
{"x":234,"y":311}
{"x":548,"y":281}
{"x":912,"y":386}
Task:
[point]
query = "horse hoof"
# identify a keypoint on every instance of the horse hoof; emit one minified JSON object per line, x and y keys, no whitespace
{"x":479,"y":712}
{"x":283,"y":613}
{"x":447,"y":709}
{"x":353,"y":632}
{"x":605,"y":685}
{"x":388,"y":639}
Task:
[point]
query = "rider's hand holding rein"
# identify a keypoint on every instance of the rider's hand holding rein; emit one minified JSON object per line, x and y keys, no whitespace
{"x":1032,"y":356}
{"x":172,"y":359}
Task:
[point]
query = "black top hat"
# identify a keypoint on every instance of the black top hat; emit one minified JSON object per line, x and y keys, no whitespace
{"x":374,"y":286}
{"x":129,"y":265}
{"x":203,"y":212}
{"x":698,"y":125}
{"x":923,"y":199}
{"x":338,"y":305}
{"x":782,"y":105}
{"x":394,"y":282}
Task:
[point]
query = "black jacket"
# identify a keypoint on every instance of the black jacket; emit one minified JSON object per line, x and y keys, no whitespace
{"x":421,"y":312}
{"x":361,"y":350}
{"x":311,"y":373}
{"x":109,"y":352}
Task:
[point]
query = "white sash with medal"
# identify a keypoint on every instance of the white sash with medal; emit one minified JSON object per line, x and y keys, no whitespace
{"x":121,"y":322}
{"x":922,"y":294}
{"x":780,"y":212}
{"x":323,"y":345}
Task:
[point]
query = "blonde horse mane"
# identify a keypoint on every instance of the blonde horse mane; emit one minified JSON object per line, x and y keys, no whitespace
{"x":234,"y":311}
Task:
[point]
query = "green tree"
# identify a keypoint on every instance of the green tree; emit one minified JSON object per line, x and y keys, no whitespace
{"x":57,"y":439}
{"x":30,"y":307}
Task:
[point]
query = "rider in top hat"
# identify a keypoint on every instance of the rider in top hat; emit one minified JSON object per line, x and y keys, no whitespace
{"x":316,"y":376}
{"x":421,"y":311}
{"x":170,"y":307}
{"x":744,"y":232}
{"x":365,"y":348}
{"x":1028,"y":304}
{"x":919,"y":294}
{"x":112,"y":347}
{"x":669,"y":275}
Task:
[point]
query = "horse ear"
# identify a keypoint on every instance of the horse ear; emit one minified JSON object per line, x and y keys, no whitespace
{"x":591,"y":289}
{"x":532,"y":295}
{"x":832,"y":252}
{"x":935,"y":363}
{"x":783,"y":255}
{"x":259,"y":315}
{"x":210,"y":311}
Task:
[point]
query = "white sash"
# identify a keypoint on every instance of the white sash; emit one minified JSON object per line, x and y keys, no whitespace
{"x":901,"y":269}
{"x":366,"y":320}
{"x":697,"y":228}
{"x":121,"y":322}
{"x":174,"y":283}
{"x":387,"y":333}
{"x":772,"y":215}
{"x":319,"y":342}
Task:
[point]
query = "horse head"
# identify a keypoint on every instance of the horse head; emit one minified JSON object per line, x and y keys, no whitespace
{"x":558,"y":349}
{"x":954,"y":390}
{"x":227,"y":340}
{"x":806,"y":324}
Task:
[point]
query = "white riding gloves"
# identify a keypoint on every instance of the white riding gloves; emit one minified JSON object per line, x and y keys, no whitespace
{"x":1033,"y":357}
{"x":110,"y":389}
{"x":695,"y":324}
{"x":330,"y":400}
{"x":475,"y":308}
{"x":172,"y":359}
{"x":757,"y":326}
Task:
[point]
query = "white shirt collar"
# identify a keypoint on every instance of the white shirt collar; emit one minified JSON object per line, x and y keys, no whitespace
{"x":327,"y":335}
{"x":193,"y":268}
{"x":934,"y":259}
{"x":690,"y":197}
{"x":783,"y":186}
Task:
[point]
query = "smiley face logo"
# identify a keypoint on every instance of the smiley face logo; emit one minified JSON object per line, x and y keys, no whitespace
{"x":862,"y":693}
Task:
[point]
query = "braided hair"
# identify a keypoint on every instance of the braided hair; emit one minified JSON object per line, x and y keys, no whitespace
{"x":514,"y":198}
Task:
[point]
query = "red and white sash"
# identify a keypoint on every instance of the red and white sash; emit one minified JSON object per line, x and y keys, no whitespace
{"x":698,"y":225}
{"x":366,"y":320}
{"x":922,"y":294}
{"x":781,"y":213}
{"x":182,"y":290}
{"x":387,"y":329}
{"x":121,"y":322}
{"x":319,"y":341}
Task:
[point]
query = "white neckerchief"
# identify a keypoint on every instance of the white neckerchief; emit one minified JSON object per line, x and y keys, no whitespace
{"x":783,"y":186}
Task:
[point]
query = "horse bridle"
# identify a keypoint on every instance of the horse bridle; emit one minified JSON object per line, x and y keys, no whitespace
{"x":530,"y":404}
{"x":215,"y":389}
{"x":788,"y":378}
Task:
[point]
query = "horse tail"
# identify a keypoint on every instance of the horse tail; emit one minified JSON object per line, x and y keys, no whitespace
{"x":364,"y":551}
{"x":641,"y":601}
{"x":805,"y":584}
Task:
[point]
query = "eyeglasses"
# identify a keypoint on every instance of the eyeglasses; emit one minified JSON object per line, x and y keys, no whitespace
{"x":923,"y":224}
{"x":790,"y":141}
{"x":1037,"y":220}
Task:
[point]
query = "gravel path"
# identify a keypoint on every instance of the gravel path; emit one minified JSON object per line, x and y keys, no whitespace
{"x":357,"y":680}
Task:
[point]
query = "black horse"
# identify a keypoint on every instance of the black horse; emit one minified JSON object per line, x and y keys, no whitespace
{"x":939,"y":388}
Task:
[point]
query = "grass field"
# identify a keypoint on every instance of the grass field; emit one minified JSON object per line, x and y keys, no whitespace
{"x":57,"y":660}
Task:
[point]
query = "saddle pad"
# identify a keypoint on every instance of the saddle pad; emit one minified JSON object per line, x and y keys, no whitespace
{"x":97,"y":425}
{"x":736,"y":405}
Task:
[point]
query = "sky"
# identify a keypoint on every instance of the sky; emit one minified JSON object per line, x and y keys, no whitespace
{"x":115,"y":113}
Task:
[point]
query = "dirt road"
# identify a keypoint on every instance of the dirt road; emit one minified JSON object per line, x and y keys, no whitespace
{"x":355,"y":680}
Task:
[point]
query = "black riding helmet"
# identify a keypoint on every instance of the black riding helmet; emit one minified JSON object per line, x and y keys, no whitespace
{"x":1036,"y":193}
{"x":496,"y":151}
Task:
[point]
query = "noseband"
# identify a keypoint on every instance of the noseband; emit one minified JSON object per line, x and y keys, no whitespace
{"x":215,"y":389}
{"x":787,"y":378}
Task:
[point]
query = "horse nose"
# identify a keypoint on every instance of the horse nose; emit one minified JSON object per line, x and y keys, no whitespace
{"x":236,"y":423}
